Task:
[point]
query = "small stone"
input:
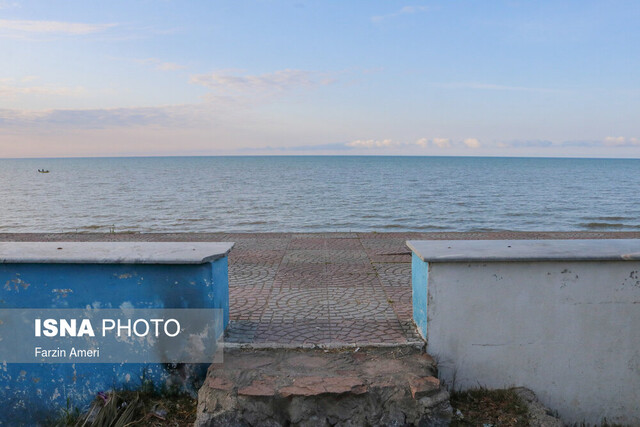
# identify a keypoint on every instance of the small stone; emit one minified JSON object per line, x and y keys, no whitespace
{"x":422,"y":386}
{"x":428,"y":358}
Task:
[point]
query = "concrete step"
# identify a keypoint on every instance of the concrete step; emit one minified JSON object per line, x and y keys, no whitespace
{"x":316,"y":387}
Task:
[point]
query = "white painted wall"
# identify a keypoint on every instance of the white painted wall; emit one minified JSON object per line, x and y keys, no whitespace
{"x":570,"y":331}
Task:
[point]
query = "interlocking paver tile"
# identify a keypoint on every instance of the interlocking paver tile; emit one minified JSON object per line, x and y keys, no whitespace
{"x":301,"y":269}
{"x":390,"y":258}
{"x":247,"y":302}
{"x":394,"y":274}
{"x":343,"y":244}
{"x":311,"y":280}
{"x":360,"y":268}
{"x":297,"y":303}
{"x":410,"y":331}
{"x":241,"y":331}
{"x":353,"y":280}
{"x":251,"y":275}
{"x":325,"y":235}
{"x":257,"y":257}
{"x":400,"y":299}
{"x":269,"y":244}
{"x":304,"y":256}
{"x":359,"y":303}
{"x":294,"y":332}
{"x":367,"y":331}
{"x":310,"y":243}
{"x":346,"y":256}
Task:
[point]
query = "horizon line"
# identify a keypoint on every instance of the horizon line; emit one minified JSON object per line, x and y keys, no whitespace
{"x":142,"y":156}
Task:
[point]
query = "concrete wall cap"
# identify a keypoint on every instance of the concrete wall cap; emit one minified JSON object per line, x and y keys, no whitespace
{"x":526,"y":250}
{"x":112,"y":252}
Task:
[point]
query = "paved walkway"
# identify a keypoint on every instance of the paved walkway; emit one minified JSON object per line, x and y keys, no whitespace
{"x":325,"y":288}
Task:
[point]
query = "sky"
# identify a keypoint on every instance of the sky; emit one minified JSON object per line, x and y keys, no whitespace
{"x":373,"y":77}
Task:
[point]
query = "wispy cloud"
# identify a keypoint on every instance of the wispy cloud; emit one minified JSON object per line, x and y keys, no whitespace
{"x":4,"y":4}
{"x":337,"y":146}
{"x":160,"y":65}
{"x":491,"y":86}
{"x":471,"y":142}
{"x":534,"y":143}
{"x":106,"y":118}
{"x":12,"y":91}
{"x":10,"y":88}
{"x":406,"y":10}
{"x":9,"y":27}
{"x":233,"y":82}
{"x":621,"y":141}
{"x":441,"y":143}
{"x":609,"y":141}
{"x":435,"y":142}
{"x":373,"y":143}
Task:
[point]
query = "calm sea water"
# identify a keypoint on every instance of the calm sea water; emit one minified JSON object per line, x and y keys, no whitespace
{"x":242,"y":194}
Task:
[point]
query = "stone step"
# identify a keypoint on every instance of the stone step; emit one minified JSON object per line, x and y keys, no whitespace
{"x":316,"y":387}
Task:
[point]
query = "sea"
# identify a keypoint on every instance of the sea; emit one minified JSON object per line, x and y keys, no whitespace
{"x":319,"y":194}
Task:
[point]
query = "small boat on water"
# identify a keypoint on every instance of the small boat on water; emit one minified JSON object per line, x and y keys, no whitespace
{"x":43,"y":171}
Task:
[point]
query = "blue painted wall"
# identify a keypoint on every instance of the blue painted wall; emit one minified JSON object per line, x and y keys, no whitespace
{"x":32,"y":392}
{"x":419,"y":277}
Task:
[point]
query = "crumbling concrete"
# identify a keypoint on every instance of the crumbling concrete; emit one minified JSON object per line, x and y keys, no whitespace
{"x":539,"y":415}
{"x":315,"y":387}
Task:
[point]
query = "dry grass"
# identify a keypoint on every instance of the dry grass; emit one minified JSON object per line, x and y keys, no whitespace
{"x":136,"y":408}
{"x":480,"y":406}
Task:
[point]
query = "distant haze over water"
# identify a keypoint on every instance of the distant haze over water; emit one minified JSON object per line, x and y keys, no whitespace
{"x":313,"y":194}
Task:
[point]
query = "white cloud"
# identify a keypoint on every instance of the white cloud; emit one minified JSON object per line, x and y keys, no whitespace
{"x":438,"y":142}
{"x":170,"y":66}
{"x":8,"y":4}
{"x":20,"y":27}
{"x":406,"y":10}
{"x":491,"y":86}
{"x":160,"y":65}
{"x":621,"y":141}
{"x":373,"y":143}
{"x":471,"y":142}
{"x":442,"y":142}
{"x":11,"y":91}
{"x":422,"y":142}
{"x":230,"y":81}
{"x":104,"y":118}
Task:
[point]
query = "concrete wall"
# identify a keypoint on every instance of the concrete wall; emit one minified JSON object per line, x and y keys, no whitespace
{"x":32,"y":392}
{"x":570,"y":331}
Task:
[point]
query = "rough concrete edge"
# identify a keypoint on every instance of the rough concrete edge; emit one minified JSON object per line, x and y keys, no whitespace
{"x":327,"y":346}
{"x":540,"y":415}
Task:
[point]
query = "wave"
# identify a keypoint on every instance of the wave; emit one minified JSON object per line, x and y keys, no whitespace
{"x":600,"y":225}
{"x":253,"y":223}
{"x":607,"y":218}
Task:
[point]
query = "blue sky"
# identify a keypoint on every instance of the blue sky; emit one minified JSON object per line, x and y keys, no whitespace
{"x":163,"y":77}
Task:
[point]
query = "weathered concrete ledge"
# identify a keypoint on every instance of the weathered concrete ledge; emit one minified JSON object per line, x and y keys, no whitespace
{"x":557,"y":316}
{"x":112,"y":252}
{"x":525,"y":250}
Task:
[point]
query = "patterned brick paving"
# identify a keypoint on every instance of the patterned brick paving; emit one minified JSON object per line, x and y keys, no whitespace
{"x":318,"y":288}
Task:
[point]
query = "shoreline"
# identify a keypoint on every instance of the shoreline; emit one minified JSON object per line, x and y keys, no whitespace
{"x":435,"y":235}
